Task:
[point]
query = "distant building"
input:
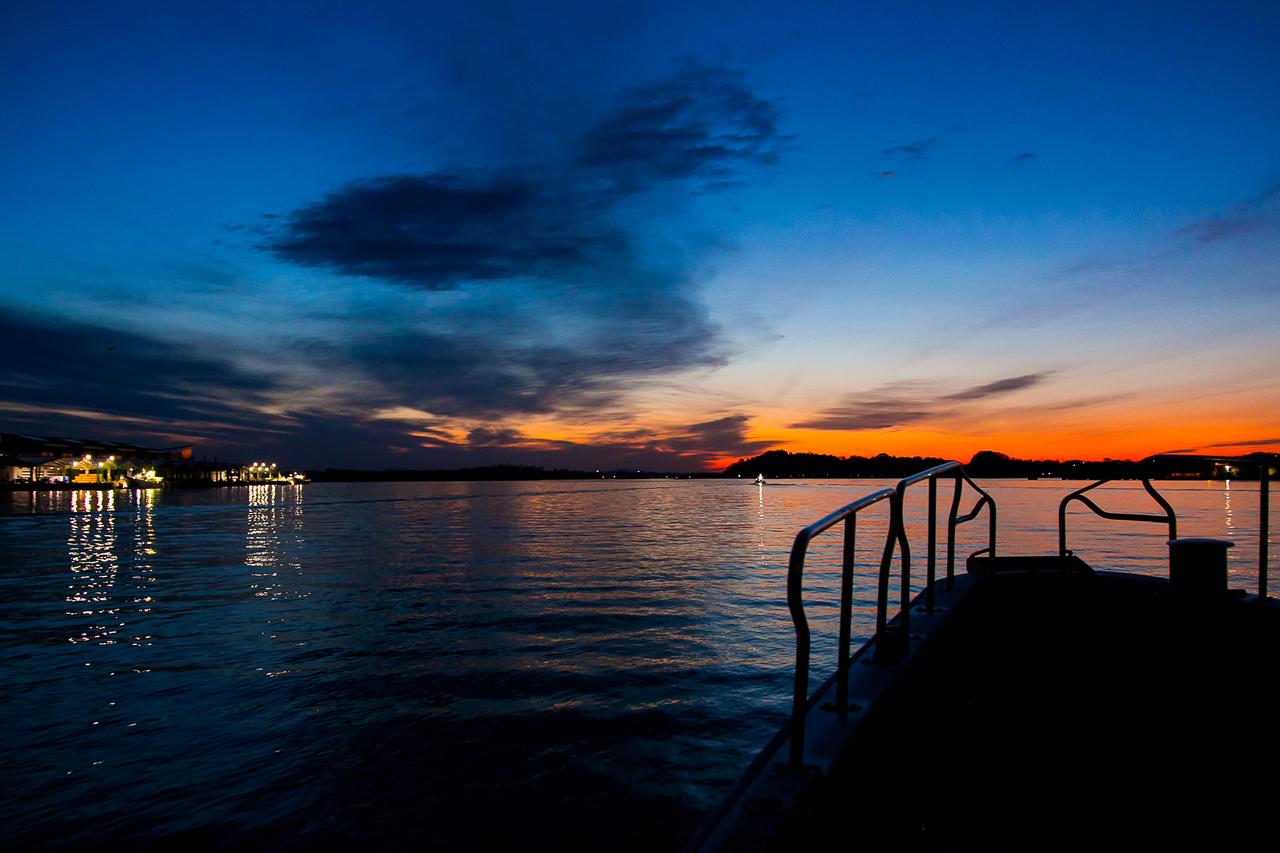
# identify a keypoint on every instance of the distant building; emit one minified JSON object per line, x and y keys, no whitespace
{"x":34,"y":459}
{"x":199,"y":472}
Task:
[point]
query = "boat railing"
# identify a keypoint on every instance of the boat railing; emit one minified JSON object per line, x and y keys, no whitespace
{"x":896,"y":540}
{"x":1169,"y":517}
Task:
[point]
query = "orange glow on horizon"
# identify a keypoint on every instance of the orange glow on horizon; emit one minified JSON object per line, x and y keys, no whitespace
{"x":1114,"y":438}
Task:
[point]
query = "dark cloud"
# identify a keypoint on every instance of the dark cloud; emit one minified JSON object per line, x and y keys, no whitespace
{"x":70,"y":371}
{"x":491,"y":370}
{"x":565,"y":309}
{"x":919,"y":150}
{"x":701,"y":124}
{"x":909,"y":402}
{"x":695,"y":447}
{"x":719,"y":437}
{"x":484,"y":437}
{"x":864,"y":413}
{"x":1000,"y":386}
{"x":1253,"y":214}
{"x":437,"y":230}
{"x":1023,"y":159}
{"x":1253,"y":442}
{"x":887,"y":173}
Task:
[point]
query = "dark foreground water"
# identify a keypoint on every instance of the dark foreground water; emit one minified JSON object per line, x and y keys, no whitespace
{"x":534,"y":665}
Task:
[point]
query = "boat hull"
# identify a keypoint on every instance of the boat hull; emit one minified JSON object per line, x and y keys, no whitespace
{"x":1038,"y":708}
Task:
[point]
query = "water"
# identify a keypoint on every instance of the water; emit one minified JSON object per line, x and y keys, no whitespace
{"x":548,"y":665}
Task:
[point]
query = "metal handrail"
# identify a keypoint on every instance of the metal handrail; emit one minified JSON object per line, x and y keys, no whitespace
{"x":1170,"y":517}
{"x":952,"y":470}
{"x":895,"y":535}
{"x":795,"y":603}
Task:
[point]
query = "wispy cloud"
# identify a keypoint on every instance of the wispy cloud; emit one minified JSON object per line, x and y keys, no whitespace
{"x":918,"y":150}
{"x":1253,"y":214}
{"x":1000,"y":386}
{"x":698,"y":445}
{"x":726,"y":436}
{"x":702,"y":124}
{"x":1253,"y":442}
{"x":1023,"y":158}
{"x":511,"y":437}
{"x":122,"y":378}
{"x":899,"y":404}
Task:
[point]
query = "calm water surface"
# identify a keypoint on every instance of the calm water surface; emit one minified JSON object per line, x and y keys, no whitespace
{"x":549,"y":665}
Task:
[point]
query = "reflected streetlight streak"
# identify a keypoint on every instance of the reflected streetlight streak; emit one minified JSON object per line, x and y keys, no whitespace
{"x":94,"y":567}
{"x":273,"y":527}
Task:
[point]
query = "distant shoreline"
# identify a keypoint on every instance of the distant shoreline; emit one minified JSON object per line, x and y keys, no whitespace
{"x":775,"y":480}
{"x":772,"y":465}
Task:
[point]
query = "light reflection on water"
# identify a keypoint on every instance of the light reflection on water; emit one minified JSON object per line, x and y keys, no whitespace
{"x":400,"y":662}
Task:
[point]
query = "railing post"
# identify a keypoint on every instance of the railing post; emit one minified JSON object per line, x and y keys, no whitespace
{"x":991,"y":525}
{"x":933,"y":541}
{"x":1062,"y":525}
{"x":905,"y":547}
{"x":846,"y":612}
{"x":951,"y":534}
{"x":882,"y":584}
{"x":1264,"y":512}
{"x":1165,"y":505}
{"x":795,"y":603}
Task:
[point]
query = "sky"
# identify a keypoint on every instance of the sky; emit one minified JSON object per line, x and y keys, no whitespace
{"x":653,"y":235}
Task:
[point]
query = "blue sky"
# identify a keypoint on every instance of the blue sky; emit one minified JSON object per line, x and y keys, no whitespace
{"x":427,"y":236}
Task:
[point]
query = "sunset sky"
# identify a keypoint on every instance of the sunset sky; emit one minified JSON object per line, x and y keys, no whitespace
{"x":659,"y":236}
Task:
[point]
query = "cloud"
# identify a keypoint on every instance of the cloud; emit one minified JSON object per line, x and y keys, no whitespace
{"x":899,"y":404}
{"x":1253,"y":442}
{"x":1023,"y":158}
{"x":720,"y":437}
{"x":867,"y":414}
{"x":510,"y":437}
{"x":701,"y":124}
{"x":112,"y":377}
{"x":1253,"y":214}
{"x":482,"y":437}
{"x":1000,"y":386}
{"x":459,"y":300}
{"x":569,"y":300}
{"x":919,"y":150}
{"x":493,"y":365}
{"x":696,"y":446}
{"x":438,"y":230}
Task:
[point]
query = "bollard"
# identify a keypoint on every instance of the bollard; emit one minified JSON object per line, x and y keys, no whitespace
{"x":1198,"y":567}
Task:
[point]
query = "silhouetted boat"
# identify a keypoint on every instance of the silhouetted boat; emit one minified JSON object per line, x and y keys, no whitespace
{"x":139,"y":483}
{"x":144,"y":480}
{"x":1030,"y":702}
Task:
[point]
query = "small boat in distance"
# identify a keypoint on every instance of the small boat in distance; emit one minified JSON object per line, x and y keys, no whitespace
{"x":144,"y":479}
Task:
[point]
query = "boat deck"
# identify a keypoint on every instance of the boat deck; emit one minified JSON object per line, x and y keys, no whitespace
{"x":1053,"y":709}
